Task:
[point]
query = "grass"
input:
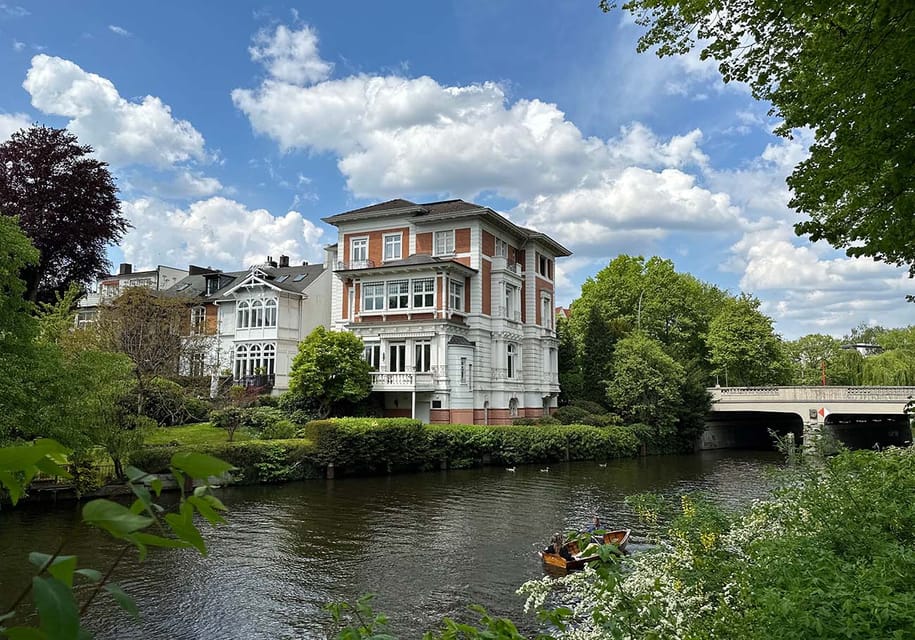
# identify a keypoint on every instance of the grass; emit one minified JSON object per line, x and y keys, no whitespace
{"x":194,"y":434}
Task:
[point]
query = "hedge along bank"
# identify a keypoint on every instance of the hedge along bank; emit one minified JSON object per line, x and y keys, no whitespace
{"x":358,"y":446}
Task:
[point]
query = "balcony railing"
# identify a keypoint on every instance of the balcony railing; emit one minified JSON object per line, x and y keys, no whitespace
{"x":265,"y":381}
{"x":401,"y":380}
{"x":355,"y":264}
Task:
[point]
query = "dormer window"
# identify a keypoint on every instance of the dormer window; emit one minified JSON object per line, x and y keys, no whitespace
{"x":212,"y":285}
{"x":444,"y":243}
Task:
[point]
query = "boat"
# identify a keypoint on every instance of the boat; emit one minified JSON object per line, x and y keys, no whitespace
{"x":575,"y":560}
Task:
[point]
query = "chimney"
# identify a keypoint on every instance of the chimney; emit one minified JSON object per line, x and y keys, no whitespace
{"x":284,"y":261}
{"x":270,"y":261}
{"x":304,"y":263}
{"x":125,"y":269}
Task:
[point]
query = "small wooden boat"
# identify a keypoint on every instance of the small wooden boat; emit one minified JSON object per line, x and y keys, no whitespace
{"x":570,"y":557}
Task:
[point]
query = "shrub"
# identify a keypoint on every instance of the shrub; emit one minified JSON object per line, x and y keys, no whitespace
{"x":603,"y":420}
{"x":460,"y":445}
{"x":168,"y":404}
{"x":368,"y":442}
{"x":570,"y":414}
{"x":281,"y":429}
{"x":589,"y":405}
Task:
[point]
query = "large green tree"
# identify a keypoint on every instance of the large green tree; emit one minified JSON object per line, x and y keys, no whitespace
{"x":745,"y":350}
{"x":66,"y":202}
{"x":329,"y":368}
{"x":646,"y":384}
{"x":814,"y":354}
{"x":843,"y":68}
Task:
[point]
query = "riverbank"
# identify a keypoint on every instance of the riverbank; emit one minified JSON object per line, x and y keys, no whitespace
{"x":368,"y":446}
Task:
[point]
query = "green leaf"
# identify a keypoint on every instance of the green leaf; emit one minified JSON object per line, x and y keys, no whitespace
{"x":153,"y":540}
{"x":25,"y":633}
{"x":124,"y":601}
{"x":115,"y":518}
{"x":200,"y":465}
{"x":135,"y":475}
{"x":206,"y":510}
{"x":62,"y":568}
{"x":56,"y":606}
{"x":90,"y":574}
{"x":183,"y":526}
{"x":156,"y":486}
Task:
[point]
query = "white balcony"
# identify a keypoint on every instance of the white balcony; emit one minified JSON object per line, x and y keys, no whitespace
{"x":402,"y":381}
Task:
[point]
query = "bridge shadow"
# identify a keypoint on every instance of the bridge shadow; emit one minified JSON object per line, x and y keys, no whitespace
{"x":750,"y":429}
{"x":867,"y":431}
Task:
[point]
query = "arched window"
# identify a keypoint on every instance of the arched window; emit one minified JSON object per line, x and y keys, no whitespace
{"x":243,"y":314}
{"x":257,"y":314}
{"x":241,"y":361}
{"x":254,"y":357}
{"x":270,"y":316}
{"x":513,"y":407}
{"x":269,"y":359}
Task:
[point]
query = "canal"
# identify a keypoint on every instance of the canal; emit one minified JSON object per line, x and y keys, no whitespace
{"x":428,"y":544}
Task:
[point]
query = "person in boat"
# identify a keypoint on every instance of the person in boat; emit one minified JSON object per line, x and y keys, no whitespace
{"x":594,"y":526}
{"x":558,"y":548}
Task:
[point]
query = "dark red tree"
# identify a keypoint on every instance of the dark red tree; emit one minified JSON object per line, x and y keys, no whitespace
{"x":67,"y":205}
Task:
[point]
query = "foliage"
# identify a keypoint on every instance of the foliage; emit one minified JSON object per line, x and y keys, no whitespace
{"x":571,"y":379}
{"x":168,"y":404}
{"x":189,"y":434}
{"x":813,"y":353}
{"x":368,"y":442}
{"x":329,"y":368}
{"x":744,"y":349}
{"x":830,"y":555}
{"x":58,"y":581}
{"x":646,"y":383}
{"x":67,"y":205}
{"x":844,"y":69}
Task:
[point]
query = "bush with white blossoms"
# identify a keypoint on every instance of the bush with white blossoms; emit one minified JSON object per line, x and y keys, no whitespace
{"x":830,"y":555}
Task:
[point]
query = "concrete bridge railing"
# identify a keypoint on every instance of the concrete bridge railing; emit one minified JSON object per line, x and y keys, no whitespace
{"x":812,"y":394}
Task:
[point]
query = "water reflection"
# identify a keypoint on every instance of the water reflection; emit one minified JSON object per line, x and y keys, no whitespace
{"x":428,"y":544}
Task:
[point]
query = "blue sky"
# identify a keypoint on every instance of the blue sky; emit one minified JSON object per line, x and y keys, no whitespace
{"x":232,"y":129}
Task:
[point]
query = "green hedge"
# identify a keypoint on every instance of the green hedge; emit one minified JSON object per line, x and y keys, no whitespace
{"x":370,"y":443}
{"x":256,"y":460}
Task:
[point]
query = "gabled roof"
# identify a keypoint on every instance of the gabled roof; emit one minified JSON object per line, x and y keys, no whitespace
{"x":231,"y":280}
{"x":431,"y":212}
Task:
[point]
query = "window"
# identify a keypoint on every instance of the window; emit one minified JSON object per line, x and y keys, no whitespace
{"x":399,"y":294}
{"x":197,"y":364}
{"x":270,"y":313}
{"x":183,"y":286}
{"x":392,"y":247}
{"x":243,"y":315}
{"x":501,"y":248}
{"x":398,"y":359}
{"x":373,"y":296}
{"x":372,"y":355}
{"x":424,"y":293}
{"x":257,"y":314}
{"x":511,"y":359}
{"x":546,"y":312}
{"x":212,"y":285}
{"x":283,"y":278}
{"x":444,"y":242}
{"x":359,"y":252}
{"x":198,"y":320}
{"x":456,"y":295}
{"x":422,"y":355}
{"x":254,"y":359}
{"x":463,"y":370}
{"x":300,"y":277}
{"x":510,"y":301}
{"x":241,"y":361}
{"x":543,"y":269}
{"x":269,"y":362}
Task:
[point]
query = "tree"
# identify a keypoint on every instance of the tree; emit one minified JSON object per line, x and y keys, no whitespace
{"x":744,"y":348}
{"x":151,"y":330}
{"x":645,"y":385}
{"x":67,"y":205}
{"x":571,"y":380}
{"x":329,"y":368}
{"x":812,"y":353}
{"x":843,"y":69}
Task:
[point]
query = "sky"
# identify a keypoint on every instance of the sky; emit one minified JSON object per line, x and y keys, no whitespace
{"x":233,"y":128}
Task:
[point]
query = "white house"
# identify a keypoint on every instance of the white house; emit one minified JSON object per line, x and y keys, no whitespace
{"x":455,"y":305}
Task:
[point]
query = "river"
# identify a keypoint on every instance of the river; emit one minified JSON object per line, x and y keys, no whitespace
{"x":427,"y":544}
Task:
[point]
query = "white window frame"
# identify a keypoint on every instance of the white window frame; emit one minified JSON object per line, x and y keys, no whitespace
{"x":546,"y":311}
{"x":510,"y":301}
{"x":456,"y":295}
{"x":423,"y":293}
{"x":422,"y":356}
{"x":270,"y":313}
{"x":243,"y":315}
{"x":398,"y":295}
{"x":511,"y":357}
{"x":397,"y":357}
{"x":501,"y":248}
{"x":393,"y":241}
{"x":372,"y":354}
{"x":198,"y":320}
{"x":257,"y":314}
{"x":443,"y":243}
{"x":377,"y":297}
{"x":360,"y":245}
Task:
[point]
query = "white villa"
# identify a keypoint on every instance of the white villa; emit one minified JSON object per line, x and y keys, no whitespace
{"x":455,"y":305}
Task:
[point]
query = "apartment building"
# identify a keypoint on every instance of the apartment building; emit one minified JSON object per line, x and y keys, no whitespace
{"x":455,"y":305}
{"x":111,"y":286}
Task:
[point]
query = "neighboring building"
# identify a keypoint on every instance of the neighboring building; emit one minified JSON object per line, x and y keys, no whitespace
{"x":865,"y":349}
{"x":111,"y":286}
{"x":455,"y":305}
{"x":563,"y":312}
{"x":253,"y":319}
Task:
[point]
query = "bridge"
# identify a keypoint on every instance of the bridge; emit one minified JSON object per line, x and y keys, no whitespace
{"x":857,"y":416}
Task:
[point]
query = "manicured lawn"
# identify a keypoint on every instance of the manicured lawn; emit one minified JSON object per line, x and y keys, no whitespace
{"x":192,"y":434}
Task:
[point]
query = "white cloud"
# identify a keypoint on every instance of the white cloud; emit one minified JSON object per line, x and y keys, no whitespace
{"x":14,"y":11}
{"x":18,"y":46}
{"x":122,"y":132}
{"x":215,"y":232}
{"x":10,"y":123}
{"x":121,"y":31}
{"x":290,"y":56}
